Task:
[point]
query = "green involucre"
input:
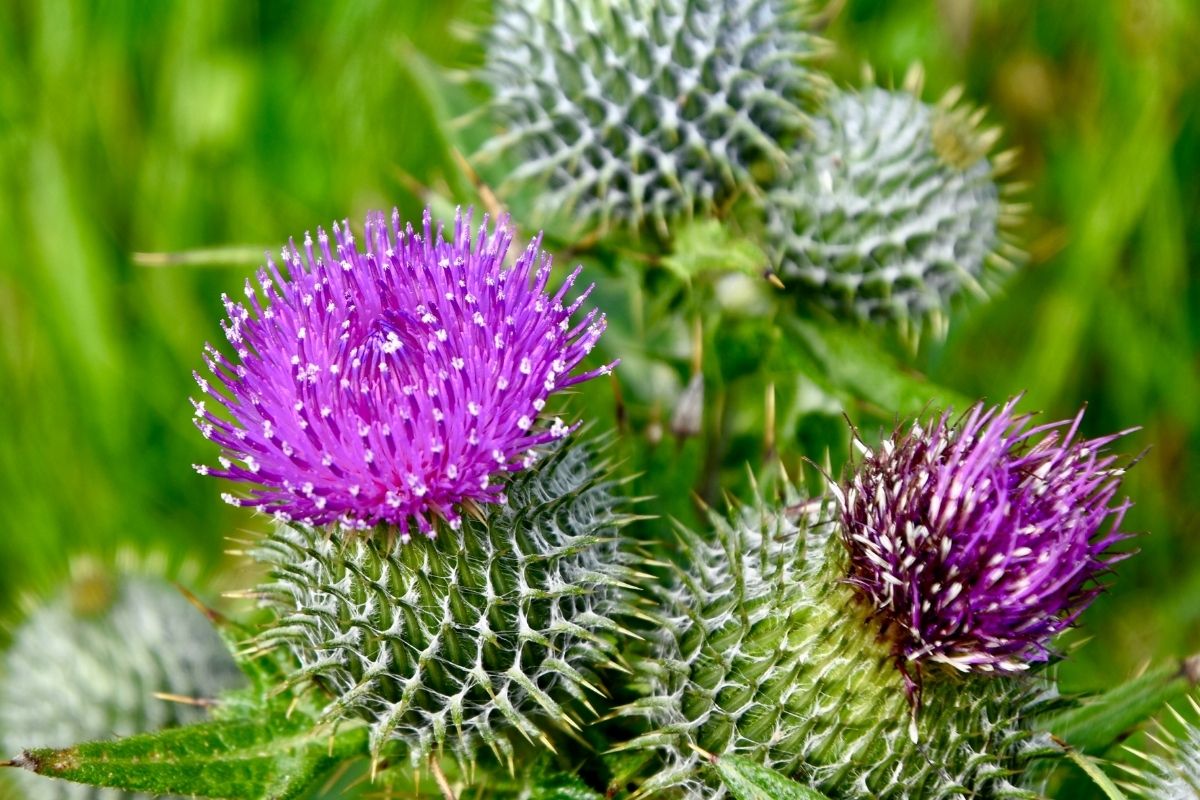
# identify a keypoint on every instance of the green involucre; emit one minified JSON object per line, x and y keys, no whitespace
{"x":467,"y":640}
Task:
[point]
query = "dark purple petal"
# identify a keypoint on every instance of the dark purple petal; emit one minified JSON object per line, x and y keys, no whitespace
{"x":977,"y":542}
{"x":391,"y":384}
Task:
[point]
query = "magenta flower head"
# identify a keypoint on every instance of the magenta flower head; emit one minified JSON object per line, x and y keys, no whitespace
{"x":393,"y":384}
{"x":976,"y":542}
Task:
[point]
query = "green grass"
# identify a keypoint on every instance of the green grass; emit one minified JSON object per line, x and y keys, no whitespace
{"x":139,"y":126}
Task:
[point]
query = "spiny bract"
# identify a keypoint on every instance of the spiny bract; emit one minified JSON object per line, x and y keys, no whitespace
{"x":1174,"y":773}
{"x":447,"y":645}
{"x":87,"y":665}
{"x":633,"y":111}
{"x":763,"y":651}
{"x":892,"y":211}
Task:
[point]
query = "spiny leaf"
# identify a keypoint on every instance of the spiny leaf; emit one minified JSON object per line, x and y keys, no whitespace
{"x":1093,"y":771}
{"x":269,"y":757}
{"x":1097,"y":724}
{"x":561,"y":786}
{"x":708,"y":246}
{"x":747,"y":780}
{"x":855,"y":365}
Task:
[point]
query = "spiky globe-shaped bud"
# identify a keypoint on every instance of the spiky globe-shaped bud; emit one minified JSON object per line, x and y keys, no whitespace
{"x":976,"y":542}
{"x":490,"y":632}
{"x":892,"y":211}
{"x":764,"y":651}
{"x":627,"y":112}
{"x":392,"y":384}
{"x":89,"y":663}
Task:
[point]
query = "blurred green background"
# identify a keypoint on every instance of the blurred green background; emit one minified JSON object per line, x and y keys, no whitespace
{"x":154,"y":126}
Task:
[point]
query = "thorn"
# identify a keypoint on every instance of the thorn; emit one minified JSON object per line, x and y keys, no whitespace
{"x":712,"y":759}
{"x":214,"y":616}
{"x":491,"y":203}
{"x":202,"y":702}
{"x":440,"y":777}
{"x":244,"y":594}
{"x":774,"y":280}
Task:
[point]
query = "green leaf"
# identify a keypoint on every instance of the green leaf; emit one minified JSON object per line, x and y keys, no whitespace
{"x":708,"y":246}
{"x":561,"y":786}
{"x":271,"y":757}
{"x":1101,"y":721}
{"x":853,"y":363}
{"x":1093,"y":771}
{"x":747,"y":780}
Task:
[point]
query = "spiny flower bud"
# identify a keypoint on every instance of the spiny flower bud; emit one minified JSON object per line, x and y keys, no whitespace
{"x":892,"y":210}
{"x":628,"y":112}
{"x":87,"y":665}
{"x":392,"y":384}
{"x":761,"y":649}
{"x":491,"y":633}
{"x":975,"y":542}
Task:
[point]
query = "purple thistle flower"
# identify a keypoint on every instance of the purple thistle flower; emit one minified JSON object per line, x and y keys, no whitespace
{"x":392,"y":385}
{"x":976,"y":543}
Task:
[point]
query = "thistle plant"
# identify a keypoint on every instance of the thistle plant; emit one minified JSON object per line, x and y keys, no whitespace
{"x":633,"y":113}
{"x":449,"y":581}
{"x":97,"y":660}
{"x":397,"y":390}
{"x":893,"y":209}
{"x":871,"y":640}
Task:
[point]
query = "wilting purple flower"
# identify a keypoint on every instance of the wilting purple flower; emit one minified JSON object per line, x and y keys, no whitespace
{"x":976,"y":543}
{"x":392,"y":385}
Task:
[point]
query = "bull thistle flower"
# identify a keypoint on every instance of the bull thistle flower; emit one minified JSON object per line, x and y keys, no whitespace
{"x":795,"y":632}
{"x":762,"y":649}
{"x":392,"y":391}
{"x":394,"y":384}
{"x":974,"y":544}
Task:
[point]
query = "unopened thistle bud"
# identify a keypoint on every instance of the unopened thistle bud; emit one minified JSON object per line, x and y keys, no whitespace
{"x":633,"y":112}
{"x":1172,"y":771}
{"x":892,"y":211}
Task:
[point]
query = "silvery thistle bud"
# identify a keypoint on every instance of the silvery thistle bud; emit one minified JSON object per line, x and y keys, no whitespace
{"x":633,"y":112}
{"x":878,"y":642}
{"x":893,"y":209}
{"x":398,"y":390}
{"x":89,"y":663}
